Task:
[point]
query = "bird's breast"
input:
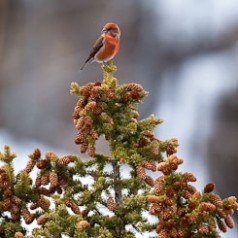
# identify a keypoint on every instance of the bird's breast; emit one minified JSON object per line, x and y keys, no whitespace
{"x":109,"y":49}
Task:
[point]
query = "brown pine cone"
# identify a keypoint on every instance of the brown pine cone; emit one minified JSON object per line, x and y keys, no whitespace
{"x":91,"y":150}
{"x":209,"y":188}
{"x":141,"y":172}
{"x":150,"y":165}
{"x":154,"y":199}
{"x":65,"y":160}
{"x":18,"y":235}
{"x":30,"y":165}
{"x":111,"y":205}
{"x":74,"y":207}
{"x":28,"y":217}
{"x":53,"y":178}
{"x":44,"y":203}
{"x":82,"y":225}
{"x":45,"y":179}
{"x":38,"y":180}
{"x":6,"y":205}
{"x":84,"y":147}
{"x":7,"y":193}
{"x":34,"y":205}
{"x":41,"y":219}
{"x":36,"y":154}
{"x":149,"y":180}
{"x":16,"y":200}
{"x":154,"y":149}
{"x":42,"y":164}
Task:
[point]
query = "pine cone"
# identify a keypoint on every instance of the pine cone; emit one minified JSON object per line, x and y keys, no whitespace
{"x":7,"y":193}
{"x":45,"y":179}
{"x":209,"y":188}
{"x":53,"y":178}
{"x":68,"y":203}
{"x":36,"y":154}
{"x":42,"y":164}
{"x":159,"y":184}
{"x":98,"y":110}
{"x":30,"y":165}
{"x":141,"y":172}
{"x":203,"y":229}
{"x":154,"y":199}
{"x":88,"y":121}
{"x":82,"y":225}
{"x":150,"y":165}
{"x":111,"y":205}
{"x":41,"y":219}
{"x":15,"y":209}
{"x":15,"y":217}
{"x":229,"y":221}
{"x":155,"y":209}
{"x":38,"y":180}
{"x":154,"y":149}
{"x":63,"y":181}
{"x":91,"y":150}
{"x":216,"y":200}
{"x":80,"y":123}
{"x":65,"y":160}
{"x":94,"y":135}
{"x":85,"y":90}
{"x":189,"y":177}
{"x":149,"y":180}
{"x":163,"y":234}
{"x":34,"y":205}
{"x":6,"y":205}
{"x":134,"y":87}
{"x":221,"y":213}
{"x":51,"y":156}
{"x":80,"y":137}
{"x":222,"y":226}
{"x":74,"y":207}
{"x":16,"y":200}
{"x":191,"y":188}
{"x":80,"y":104}
{"x":170,"y":149}
{"x":84,"y":147}
{"x":111,"y":93}
{"x":59,"y":190}
{"x":28,"y":217}
{"x":90,"y":107}
{"x":18,"y":235}
{"x":44,"y":203}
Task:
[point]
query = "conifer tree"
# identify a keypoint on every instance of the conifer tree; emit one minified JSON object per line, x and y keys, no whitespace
{"x":109,"y":195}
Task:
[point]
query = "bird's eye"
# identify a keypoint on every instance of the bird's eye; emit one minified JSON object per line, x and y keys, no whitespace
{"x":103,"y":31}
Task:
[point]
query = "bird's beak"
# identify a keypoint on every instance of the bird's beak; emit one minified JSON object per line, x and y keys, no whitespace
{"x":104,"y":30}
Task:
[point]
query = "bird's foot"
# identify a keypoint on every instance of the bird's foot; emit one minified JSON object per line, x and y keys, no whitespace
{"x":109,"y":67}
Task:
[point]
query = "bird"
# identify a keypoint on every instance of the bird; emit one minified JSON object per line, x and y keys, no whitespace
{"x":106,"y":46}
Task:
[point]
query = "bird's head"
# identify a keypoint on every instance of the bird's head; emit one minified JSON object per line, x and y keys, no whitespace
{"x":111,"y":29}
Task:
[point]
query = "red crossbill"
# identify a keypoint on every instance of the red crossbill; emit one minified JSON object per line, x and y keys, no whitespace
{"x":106,"y":46}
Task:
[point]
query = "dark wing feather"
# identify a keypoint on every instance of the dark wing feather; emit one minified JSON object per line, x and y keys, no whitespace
{"x":97,"y":46}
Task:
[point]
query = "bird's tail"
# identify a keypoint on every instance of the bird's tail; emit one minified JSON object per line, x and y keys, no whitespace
{"x":89,"y":60}
{"x":82,"y":67}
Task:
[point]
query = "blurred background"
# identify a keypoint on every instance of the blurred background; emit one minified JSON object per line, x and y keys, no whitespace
{"x":184,"y":52}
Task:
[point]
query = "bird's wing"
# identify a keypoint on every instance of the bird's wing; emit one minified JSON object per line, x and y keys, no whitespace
{"x":97,"y":46}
